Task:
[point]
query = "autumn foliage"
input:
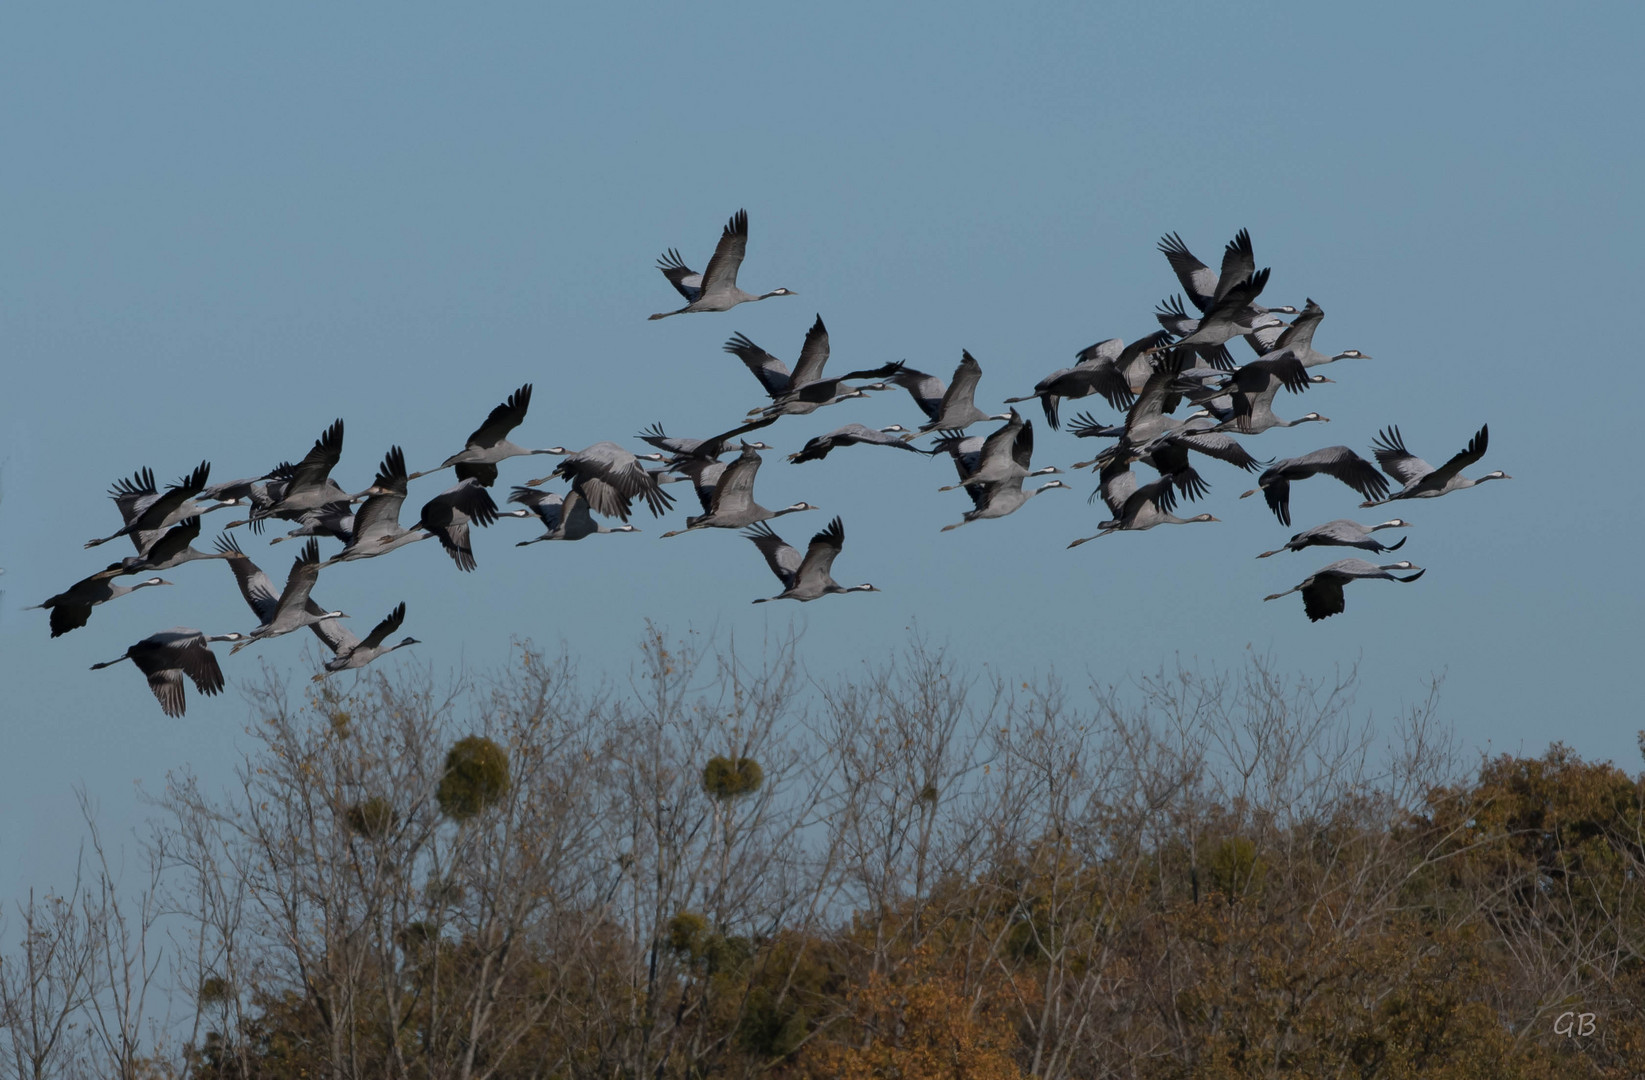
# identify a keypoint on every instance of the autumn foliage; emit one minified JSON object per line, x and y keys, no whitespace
{"x":914,"y":875}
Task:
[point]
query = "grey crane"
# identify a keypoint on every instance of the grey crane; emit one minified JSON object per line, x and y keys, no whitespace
{"x":264,"y":492}
{"x":1146,"y":420}
{"x":966,"y":452}
{"x":1105,"y":368}
{"x":704,"y":474}
{"x":1204,"y":288}
{"x":1264,"y":376}
{"x":808,"y":578}
{"x":1422,"y":480}
{"x":376,"y":529}
{"x":1297,"y":340}
{"x":715,"y":289}
{"x":818,"y":447}
{"x":1210,"y":294}
{"x":164,"y":658}
{"x":1136,"y":360}
{"x":610,"y":478}
{"x":812,"y":396}
{"x":489,"y":443}
{"x":1229,"y":316}
{"x":1168,"y":453}
{"x":310,"y":484}
{"x":697,"y":460}
{"x":172,"y":549}
{"x":147,"y":512}
{"x":351,"y":653}
{"x":1246,"y":322}
{"x":291,"y":609}
{"x":958,"y":410}
{"x":1004,"y":455}
{"x":804,"y":389}
{"x":335,"y":520}
{"x":998,"y":500}
{"x":71,"y":608}
{"x":733,"y":505}
{"x":773,"y":374}
{"x":926,"y":389}
{"x":1252,"y":414}
{"x":450,"y":513}
{"x":1338,"y":461}
{"x":1322,"y":590}
{"x":682,"y":449}
{"x":565,"y":517}
{"x":1343,"y":533}
{"x":233,"y":492}
{"x":1143,"y":507}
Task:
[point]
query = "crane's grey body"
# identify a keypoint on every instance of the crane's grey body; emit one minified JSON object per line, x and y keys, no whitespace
{"x":489,"y":443}
{"x":1004,"y":455}
{"x":1246,"y":402}
{"x":818,"y":447}
{"x":808,"y":578}
{"x":450,"y":514}
{"x":1337,"y":461}
{"x":1253,"y":416}
{"x":958,"y":410}
{"x":1297,"y":340}
{"x":773,"y":374}
{"x":351,"y":653}
{"x":1208,"y":335}
{"x":1137,"y":507}
{"x":610,"y":478}
{"x":1343,"y":532}
{"x":173,"y":548}
{"x":1168,"y":454}
{"x":715,"y":289}
{"x":310,"y":485}
{"x":1226,"y":312}
{"x":705,"y":479}
{"x":803,"y":390}
{"x":148,"y":512}
{"x":680,"y":450}
{"x":335,"y":520}
{"x":234,"y":492}
{"x":266,"y":494}
{"x":926,"y":389}
{"x":733,"y":505}
{"x":164,"y":658}
{"x":376,"y":529}
{"x":998,"y":500}
{"x":1322,"y":590}
{"x":1106,"y":368}
{"x":291,"y":609}
{"x":1422,"y":480}
{"x":71,"y":608}
{"x":1146,"y":420}
{"x":565,"y":517}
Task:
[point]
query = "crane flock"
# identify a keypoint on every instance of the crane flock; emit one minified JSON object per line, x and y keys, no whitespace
{"x":1187,"y":362}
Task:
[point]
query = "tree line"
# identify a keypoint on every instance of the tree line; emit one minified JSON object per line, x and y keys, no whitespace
{"x":722,"y":867}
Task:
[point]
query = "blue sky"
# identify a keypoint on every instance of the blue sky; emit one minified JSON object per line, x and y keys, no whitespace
{"x":226,"y":227}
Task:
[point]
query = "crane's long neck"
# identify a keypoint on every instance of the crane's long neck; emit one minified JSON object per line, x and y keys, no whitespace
{"x":110,"y":663}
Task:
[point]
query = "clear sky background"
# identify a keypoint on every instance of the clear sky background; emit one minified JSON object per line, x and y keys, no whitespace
{"x":225,"y":226}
